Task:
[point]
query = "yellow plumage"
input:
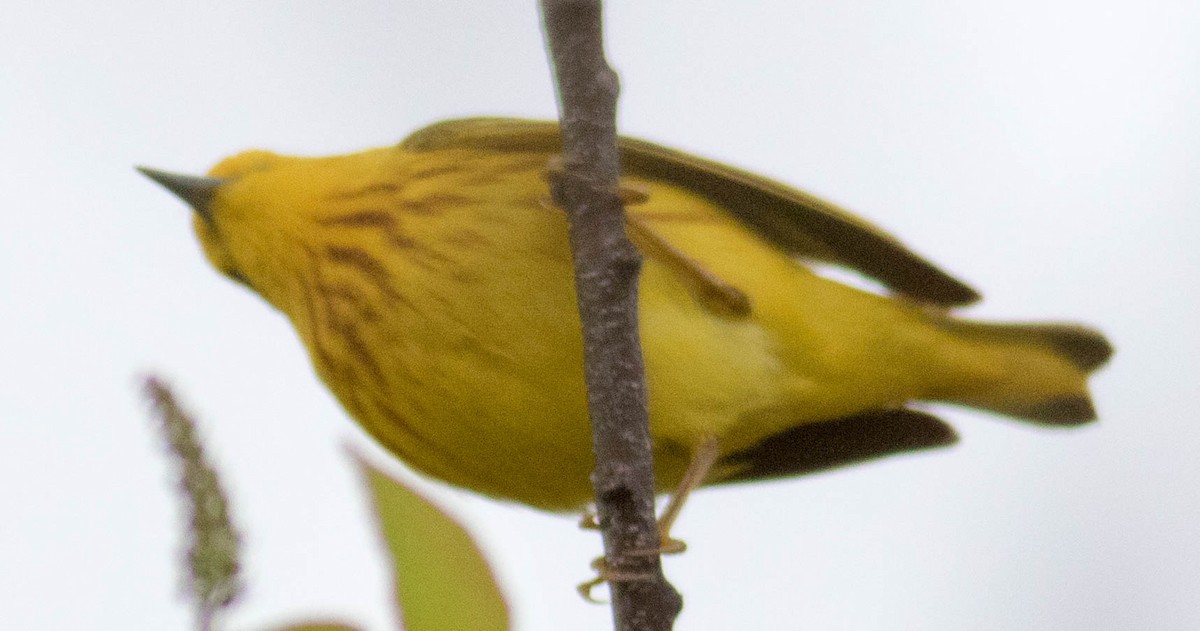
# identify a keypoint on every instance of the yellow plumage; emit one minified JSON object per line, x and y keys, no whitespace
{"x":432,"y":285}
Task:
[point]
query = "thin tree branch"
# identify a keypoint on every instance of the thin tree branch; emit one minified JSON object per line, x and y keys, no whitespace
{"x":606,"y":281}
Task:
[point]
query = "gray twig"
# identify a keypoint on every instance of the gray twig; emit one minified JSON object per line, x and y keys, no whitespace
{"x":606,"y":281}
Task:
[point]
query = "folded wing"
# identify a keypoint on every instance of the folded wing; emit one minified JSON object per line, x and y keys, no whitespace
{"x":794,"y":221}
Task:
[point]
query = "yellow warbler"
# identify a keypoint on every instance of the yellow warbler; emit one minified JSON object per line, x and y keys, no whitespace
{"x":432,"y":285}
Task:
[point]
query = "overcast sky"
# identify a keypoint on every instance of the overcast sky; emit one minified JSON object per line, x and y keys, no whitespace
{"x":1046,"y":152}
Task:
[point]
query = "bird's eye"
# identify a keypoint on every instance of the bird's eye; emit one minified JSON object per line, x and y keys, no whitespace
{"x":238,"y":277}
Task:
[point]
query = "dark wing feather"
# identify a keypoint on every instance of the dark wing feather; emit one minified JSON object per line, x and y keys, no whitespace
{"x":796,"y":222}
{"x":813,"y":447}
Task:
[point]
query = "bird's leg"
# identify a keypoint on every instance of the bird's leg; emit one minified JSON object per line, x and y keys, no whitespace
{"x":702,"y":461}
{"x":606,"y":574}
{"x":589,"y":520}
{"x":711,"y":292}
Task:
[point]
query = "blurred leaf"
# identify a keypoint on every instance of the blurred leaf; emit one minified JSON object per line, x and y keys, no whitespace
{"x":442,"y":582}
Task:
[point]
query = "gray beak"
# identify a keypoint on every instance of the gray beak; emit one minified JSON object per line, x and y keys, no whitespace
{"x":197,"y":191}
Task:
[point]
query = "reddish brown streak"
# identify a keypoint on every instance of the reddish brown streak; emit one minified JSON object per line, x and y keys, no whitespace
{"x":437,"y":171}
{"x":433,"y":204}
{"x":350,"y":294}
{"x":318,"y":341}
{"x":387,"y":224}
{"x":325,"y":360}
{"x":322,"y":295}
{"x":380,"y":188}
{"x":483,"y":178}
{"x":363,"y":219}
{"x":377,"y":219}
{"x":354,"y":342}
{"x":343,"y":371}
{"x":466,"y":239}
{"x":349,"y":334}
{"x":362,"y":261}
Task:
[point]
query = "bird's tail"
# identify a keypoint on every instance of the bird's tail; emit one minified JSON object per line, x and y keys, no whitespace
{"x":1036,"y":372}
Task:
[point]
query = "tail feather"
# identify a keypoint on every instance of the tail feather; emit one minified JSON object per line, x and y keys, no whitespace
{"x":1086,"y":348}
{"x":1036,"y":372}
{"x":1065,"y":410}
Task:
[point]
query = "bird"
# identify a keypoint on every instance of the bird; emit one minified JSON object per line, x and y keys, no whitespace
{"x":431,"y":283}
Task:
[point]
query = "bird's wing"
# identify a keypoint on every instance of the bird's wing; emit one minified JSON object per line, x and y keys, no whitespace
{"x":813,"y":447}
{"x":794,"y":221}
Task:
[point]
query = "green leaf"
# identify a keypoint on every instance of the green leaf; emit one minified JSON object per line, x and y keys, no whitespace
{"x":442,"y":581}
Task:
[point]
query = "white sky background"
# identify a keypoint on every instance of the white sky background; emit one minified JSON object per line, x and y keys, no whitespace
{"x":1046,"y":152}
